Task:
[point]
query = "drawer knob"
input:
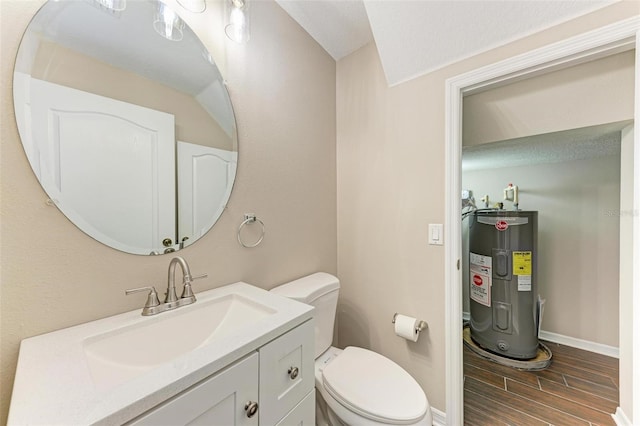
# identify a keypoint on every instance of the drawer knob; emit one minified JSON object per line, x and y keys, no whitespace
{"x":293,"y":372}
{"x":251,"y":408}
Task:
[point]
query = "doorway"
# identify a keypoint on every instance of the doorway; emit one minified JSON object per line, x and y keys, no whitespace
{"x":571,"y":179}
{"x":596,"y":44}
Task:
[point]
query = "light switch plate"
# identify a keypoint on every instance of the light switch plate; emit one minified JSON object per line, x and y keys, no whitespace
{"x":436,"y":234}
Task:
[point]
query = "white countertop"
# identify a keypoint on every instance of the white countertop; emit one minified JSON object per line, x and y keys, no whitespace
{"x":53,"y":384}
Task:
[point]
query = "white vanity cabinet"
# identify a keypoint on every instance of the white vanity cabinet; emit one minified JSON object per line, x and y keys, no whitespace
{"x":286,"y":372}
{"x":273,"y":385}
{"x":220,"y":400}
{"x":237,"y":344}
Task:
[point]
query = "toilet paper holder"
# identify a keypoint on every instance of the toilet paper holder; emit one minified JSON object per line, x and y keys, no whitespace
{"x":419,"y":327}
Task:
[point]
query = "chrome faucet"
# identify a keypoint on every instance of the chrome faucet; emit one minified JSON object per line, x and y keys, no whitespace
{"x":187,"y":296}
{"x":171,"y":301}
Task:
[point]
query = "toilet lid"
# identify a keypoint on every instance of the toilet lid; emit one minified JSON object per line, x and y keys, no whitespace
{"x":374,"y":387}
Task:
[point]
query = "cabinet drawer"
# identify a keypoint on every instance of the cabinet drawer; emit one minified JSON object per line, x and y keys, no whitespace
{"x":218,"y":400}
{"x":286,"y":372}
{"x":303,"y":414}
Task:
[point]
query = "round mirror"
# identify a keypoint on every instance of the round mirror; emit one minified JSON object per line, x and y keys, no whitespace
{"x":126,"y":122}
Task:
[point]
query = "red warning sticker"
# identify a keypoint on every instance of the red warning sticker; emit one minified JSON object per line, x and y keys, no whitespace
{"x":480,"y":291}
{"x":480,"y":278}
{"x":477,"y":280}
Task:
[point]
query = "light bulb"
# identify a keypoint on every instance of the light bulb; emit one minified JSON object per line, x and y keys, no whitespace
{"x":167,"y":23}
{"x":238,"y":25}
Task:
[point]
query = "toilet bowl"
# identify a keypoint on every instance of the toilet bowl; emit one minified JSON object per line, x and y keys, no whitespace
{"x":354,"y":386}
{"x":361,"y":387}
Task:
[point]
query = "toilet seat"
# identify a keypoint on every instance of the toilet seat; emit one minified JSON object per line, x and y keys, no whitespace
{"x":374,"y":387}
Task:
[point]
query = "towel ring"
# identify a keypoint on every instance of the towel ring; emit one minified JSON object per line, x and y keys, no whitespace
{"x":250,"y":218}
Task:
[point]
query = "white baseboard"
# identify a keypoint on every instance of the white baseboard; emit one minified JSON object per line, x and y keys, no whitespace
{"x":620,"y":418}
{"x":439,"y":417}
{"x":598,"y":348}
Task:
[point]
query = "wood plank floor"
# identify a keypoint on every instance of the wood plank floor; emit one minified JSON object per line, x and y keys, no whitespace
{"x":579,"y":388}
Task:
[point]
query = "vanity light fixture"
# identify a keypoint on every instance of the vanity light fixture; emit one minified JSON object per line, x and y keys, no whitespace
{"x":167,"y":23}
{"x":194,"y":6}
{"x":113,"y":5}
{"x":238,"y":22}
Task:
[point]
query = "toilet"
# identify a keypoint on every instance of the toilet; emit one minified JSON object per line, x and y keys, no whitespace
{"x":354,"y":386}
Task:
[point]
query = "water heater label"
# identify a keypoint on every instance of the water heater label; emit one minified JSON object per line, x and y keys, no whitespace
{"x":522,"y":263}
{"x":524,"y":282}
{"x":480,"y":278}
{"x":481,"y":261}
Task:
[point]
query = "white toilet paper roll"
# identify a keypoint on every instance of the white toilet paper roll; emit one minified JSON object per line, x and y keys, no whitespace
{"x":406,"y":327}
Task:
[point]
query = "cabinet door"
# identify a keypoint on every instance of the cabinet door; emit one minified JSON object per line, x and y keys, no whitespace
{"x":219,"y":400}
{"x":286,"y":372}
{"x":304,"y":414}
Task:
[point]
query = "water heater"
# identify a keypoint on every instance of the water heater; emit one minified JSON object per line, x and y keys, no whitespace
{"x":502,"y":282}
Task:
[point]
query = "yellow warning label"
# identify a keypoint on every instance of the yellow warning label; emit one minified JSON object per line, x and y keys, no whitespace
{"x":521,"y":263}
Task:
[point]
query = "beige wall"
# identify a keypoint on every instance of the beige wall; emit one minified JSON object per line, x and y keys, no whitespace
{"x":54,"y":276}
{"x":391,"y":152}
{"x":584,"y":95}
{"x":578,"y":234}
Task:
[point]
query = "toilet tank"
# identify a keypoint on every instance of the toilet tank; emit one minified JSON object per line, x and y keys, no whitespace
{"x":319,"y":290}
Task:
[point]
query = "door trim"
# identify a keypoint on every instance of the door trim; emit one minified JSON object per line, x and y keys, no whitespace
{"x":604,"y":41}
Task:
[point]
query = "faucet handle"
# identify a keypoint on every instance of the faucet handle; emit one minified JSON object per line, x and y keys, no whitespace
{"x":152,"y":298}
{"x":199,"y":277}
{"x":187,"y":293}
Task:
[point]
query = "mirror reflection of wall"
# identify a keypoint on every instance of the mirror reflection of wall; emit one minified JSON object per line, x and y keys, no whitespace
{"x":88,"y":78}
{"x":57,"y":64}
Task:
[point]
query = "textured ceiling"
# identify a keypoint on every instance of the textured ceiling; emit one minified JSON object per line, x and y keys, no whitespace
{"x":556,"y":147}
{"x":414,"y":37}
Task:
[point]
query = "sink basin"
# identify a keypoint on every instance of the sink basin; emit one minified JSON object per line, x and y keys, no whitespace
{"x":119,"y":355}
{"x":111,"y":370}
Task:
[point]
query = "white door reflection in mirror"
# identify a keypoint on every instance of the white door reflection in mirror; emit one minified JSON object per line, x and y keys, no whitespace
{"x":101,"y":159}
{"x":205,"y":180}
